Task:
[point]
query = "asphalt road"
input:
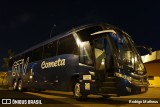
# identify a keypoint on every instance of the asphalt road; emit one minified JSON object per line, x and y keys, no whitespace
{"x":66,"y":99}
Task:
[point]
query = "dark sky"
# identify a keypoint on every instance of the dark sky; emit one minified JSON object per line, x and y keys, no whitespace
{"x":24,"y":24}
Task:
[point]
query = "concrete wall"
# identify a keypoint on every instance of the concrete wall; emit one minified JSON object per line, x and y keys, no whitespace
{"x":153,"y":73}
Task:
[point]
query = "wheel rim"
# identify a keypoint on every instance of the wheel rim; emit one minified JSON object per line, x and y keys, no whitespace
{"x":77,"y":90}
{"x":14,"y":85}
{"x":20,"y":85}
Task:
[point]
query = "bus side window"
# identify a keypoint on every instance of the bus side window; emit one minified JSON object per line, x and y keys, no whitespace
{"x":67,"y":45}
{"x":50,"y":49}
{"x":28,"y":55}
{"x":86,"y":53}
{"x":37,"y":54}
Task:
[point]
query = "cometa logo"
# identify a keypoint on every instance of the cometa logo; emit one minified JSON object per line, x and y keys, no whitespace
{"x":59,"y":62}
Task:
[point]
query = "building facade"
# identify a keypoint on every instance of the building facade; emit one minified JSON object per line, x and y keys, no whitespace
{"x":152,"y":64}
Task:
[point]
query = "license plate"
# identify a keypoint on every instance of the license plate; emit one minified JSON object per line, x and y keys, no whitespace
{"x":142,"y":89}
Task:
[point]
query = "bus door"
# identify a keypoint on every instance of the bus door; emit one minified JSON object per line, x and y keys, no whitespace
{"x":103,"y":59}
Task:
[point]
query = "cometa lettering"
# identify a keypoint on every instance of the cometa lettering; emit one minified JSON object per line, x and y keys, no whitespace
{"x":59,"y":62}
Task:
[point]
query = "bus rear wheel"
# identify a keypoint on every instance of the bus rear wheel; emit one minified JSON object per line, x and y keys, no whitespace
{"x":77,"y":92}
{"x":20,"y":85}
{"x":15,"y":85}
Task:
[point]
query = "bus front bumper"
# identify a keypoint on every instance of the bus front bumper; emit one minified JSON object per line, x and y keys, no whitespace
{"x":132,"y":87}
{"x":136,"y":86}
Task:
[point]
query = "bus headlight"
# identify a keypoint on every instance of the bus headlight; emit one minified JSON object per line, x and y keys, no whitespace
{"x":124,"y":76}
{"x":129,"y":78}
{"x":119,"y":75}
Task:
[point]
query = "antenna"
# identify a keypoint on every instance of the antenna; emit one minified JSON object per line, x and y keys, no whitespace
{"x":52,"y":30}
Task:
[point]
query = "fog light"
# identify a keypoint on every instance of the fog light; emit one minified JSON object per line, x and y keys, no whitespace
{"x":129,"y":79}
{"x":128,"y":89}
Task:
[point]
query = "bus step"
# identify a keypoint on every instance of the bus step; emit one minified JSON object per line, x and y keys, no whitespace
{"x":110,"y":79}
{"x":109,"y":84}
{"x":108,"y":90}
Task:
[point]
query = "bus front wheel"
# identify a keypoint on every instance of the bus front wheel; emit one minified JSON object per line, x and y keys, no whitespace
{"x":77,"y":92}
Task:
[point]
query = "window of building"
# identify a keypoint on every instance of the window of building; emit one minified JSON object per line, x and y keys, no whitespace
{"x":150,"y":77}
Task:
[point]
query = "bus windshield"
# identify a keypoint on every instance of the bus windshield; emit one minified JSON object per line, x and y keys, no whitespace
{"x":127,"y":53}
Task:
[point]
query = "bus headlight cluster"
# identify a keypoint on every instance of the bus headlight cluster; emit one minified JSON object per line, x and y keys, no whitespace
{"x":128,"y":78}
{"x":124,"y":76}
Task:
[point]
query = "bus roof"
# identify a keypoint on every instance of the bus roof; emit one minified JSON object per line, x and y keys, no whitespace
{"x":61,"y":35}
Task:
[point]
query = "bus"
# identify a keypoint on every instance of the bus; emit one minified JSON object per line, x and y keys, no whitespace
{"x":98,"y":59}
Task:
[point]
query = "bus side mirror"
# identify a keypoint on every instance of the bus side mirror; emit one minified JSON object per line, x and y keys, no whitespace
{"x":149,"y":49}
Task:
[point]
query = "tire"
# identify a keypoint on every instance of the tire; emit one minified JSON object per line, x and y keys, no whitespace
{"x":15,"y":85}
{"x":77,"y":94}
{"x":20,"y":85}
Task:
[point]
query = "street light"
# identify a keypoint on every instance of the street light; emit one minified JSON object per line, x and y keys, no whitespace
{"x":52,"y":30}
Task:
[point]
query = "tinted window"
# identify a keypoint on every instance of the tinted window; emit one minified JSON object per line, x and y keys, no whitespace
{"x":50,"y":49}
{"x":85,"y":34}
{"x":37,"y":54}
{"x":67,"y":45}
{"x":28,"y":54}
{"x":86,"y":53}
